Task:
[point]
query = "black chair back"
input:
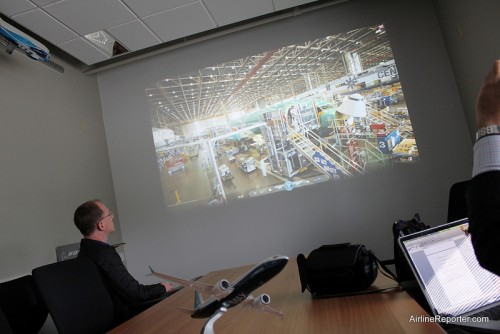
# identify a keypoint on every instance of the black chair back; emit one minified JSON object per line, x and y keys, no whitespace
{"x":75,"y":296}
{"x":21,"y":306}
{"x":457,"y":201}
{"x":4,"y":324}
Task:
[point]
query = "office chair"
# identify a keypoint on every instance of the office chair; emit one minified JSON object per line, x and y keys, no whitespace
{"x":457,"y":201}
{"x":21,"y":306}
{"x":76,"y":296}
{"x":66,"y":252}
{"x":4,"y":324}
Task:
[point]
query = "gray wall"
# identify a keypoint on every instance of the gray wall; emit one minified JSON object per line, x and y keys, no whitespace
{"x":54,"y":152}
{"x":53,"y":157}
{"x":362,"y":209}
{"x":472,"y":35}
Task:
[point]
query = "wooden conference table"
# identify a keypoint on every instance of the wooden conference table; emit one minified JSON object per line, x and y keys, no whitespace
{"x":389,"y":311}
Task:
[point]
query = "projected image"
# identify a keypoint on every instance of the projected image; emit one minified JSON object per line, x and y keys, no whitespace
{"x":322,"y":110}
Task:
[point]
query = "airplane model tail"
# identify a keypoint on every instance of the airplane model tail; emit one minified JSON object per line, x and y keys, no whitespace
{"x":198,"y":300}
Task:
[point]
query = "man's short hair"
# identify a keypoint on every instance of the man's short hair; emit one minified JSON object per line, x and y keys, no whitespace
{"x":86,"y":216}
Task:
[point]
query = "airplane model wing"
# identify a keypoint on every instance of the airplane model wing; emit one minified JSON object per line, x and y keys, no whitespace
{"x":219,"y":291}
{"x":261,"y":303}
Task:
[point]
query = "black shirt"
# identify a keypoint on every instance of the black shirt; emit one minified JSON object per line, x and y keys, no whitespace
{"x":128,"y":294}
{"x":483,"y":197}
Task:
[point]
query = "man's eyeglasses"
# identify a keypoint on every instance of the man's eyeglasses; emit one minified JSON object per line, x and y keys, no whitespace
{"x":111,"y":213}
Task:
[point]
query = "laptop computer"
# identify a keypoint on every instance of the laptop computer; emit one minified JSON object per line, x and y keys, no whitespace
{"x":456,"y":287}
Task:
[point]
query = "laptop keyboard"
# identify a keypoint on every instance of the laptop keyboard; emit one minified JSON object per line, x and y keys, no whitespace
{"x":492,"y":313}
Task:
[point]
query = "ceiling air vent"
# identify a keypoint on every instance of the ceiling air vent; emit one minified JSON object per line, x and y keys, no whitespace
{"x":106,"y":43}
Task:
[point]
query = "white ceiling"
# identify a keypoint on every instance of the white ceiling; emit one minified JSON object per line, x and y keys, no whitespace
{"x":136,"y":24}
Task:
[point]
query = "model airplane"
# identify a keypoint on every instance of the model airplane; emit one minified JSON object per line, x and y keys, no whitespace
{"x":225,"y":295}
{"x":12,"y":39}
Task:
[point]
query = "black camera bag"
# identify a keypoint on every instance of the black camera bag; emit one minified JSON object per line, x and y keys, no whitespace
{"x":337,"y":269}
{"x":399,"y":229}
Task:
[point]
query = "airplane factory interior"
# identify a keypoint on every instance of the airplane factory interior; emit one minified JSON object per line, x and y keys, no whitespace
{"x":326,"y":109}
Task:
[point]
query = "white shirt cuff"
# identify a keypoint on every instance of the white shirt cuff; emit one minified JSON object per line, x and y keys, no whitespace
{"x":486,"y":155}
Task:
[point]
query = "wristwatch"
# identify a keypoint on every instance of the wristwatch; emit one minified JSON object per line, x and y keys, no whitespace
{"x":487,"y":131}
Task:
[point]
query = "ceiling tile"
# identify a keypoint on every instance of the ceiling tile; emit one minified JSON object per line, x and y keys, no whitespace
{"x":44,"y":25}
{"x":285,"y":4}
{"x":230,"y":11}
{"x":134,"y":35}
{"x":13,"y":7}
{"x":150,"y":7}
{"x":180,"y":22}
{"x":42,"y":3}
{"x":136,"y":24}
{"x":81,"y":49}
{"x":89,"y":16}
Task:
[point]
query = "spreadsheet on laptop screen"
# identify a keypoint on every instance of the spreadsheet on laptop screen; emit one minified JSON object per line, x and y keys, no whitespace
{"x":451,"y":276}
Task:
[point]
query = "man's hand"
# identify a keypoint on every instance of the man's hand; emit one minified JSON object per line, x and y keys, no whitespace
{"x":168,"y":286}
{"x":488,"y":102}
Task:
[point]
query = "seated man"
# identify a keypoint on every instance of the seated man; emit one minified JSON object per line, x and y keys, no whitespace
{"x":95,"y":222}
{"x":483,"y":194}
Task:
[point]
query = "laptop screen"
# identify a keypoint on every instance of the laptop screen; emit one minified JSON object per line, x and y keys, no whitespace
{"x":448,"y":271}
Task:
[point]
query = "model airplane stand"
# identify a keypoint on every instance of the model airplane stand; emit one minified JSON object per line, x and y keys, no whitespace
{"x":208,"y":327}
